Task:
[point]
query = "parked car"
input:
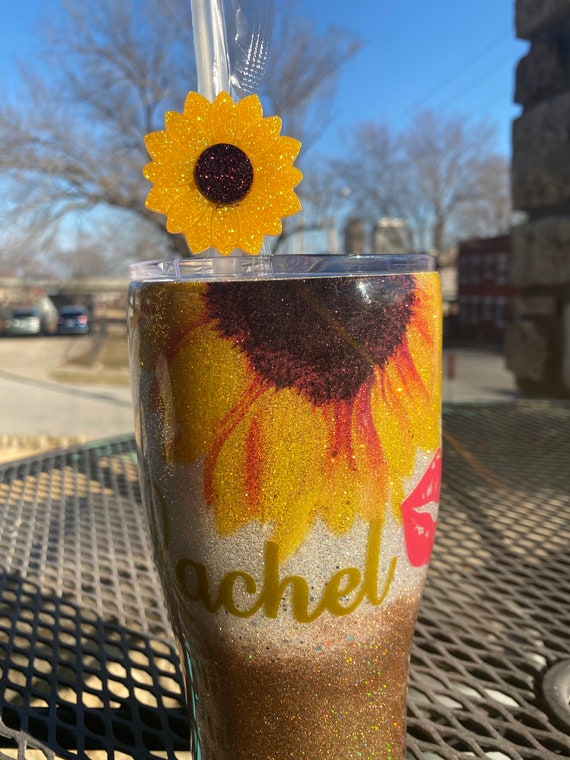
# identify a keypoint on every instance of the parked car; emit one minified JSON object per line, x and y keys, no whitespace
{"x":24,"y":321}
{"x":73,"y":320}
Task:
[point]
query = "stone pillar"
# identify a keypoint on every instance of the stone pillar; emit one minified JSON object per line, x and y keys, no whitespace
{"x":538,"y":344}
{"x":354,"y":237}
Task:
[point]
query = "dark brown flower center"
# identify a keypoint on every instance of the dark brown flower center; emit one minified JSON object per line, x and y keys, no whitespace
{"x":323,"y":336}
{"x":223,"y":174}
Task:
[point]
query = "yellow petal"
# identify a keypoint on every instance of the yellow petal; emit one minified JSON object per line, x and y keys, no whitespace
{"x":250,"y":241}
{"x":249,"y":112}
{"x":185,"y":211}
{"x":202,"y":388}
{"x":225,"y":229}
{"x":251,"y":234}
{"x":280,"y":203}
{"x":199,"y":235}
{"x":259,"y":137}
{"x":160,"y":199}
{"x":283,"y":150}
{"x":232,"y":470}
{"x":174,"y":172}
{"x":274,"y":177}
{"x":187,"y":133}
{"x":270,"y":468}
{"x":248,"y":213}
{"x":262,"y":212}
{"x":405,"y":399}
{"x":160,"y":146}
{"x":256,"y":217}
{"x":294,"y":437}
{"x":270,"y":223}
{"x":223,"y":119}
{"x":197,"y":108}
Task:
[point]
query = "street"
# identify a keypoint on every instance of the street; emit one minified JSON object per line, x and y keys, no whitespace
{"x":33,"y":403}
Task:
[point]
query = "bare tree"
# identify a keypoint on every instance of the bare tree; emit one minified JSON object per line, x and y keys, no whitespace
{"x":323,"y":196}
{"x":450,"y":164}
{"x":302,"y":76}
{"x":492,"y":212}
{"x":374,"y":171}
{"x":441,"y":175}
{"x":73,"y":143}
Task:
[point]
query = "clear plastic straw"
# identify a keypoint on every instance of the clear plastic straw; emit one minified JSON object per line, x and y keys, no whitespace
{"x":231,"y":46}
{"x":249,"y":27}
{"x":210,"y":47}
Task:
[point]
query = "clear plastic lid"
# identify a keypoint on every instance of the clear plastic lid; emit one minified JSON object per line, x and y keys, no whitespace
{"x":240,"y":267}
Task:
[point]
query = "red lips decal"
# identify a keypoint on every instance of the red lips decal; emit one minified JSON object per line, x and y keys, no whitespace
{"x":419,"y":522}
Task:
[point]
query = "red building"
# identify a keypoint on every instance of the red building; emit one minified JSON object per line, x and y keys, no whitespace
{"x":485,"y":293}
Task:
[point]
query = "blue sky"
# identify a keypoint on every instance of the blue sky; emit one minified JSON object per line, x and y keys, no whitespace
{"x":453,"y":56}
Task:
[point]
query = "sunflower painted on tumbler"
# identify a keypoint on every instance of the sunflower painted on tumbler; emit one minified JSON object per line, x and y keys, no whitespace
{"x":310,"y":399}
{"x":222,"y":173}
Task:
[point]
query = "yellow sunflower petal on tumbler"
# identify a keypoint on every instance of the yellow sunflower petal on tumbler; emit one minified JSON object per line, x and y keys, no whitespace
{"x":194,"y":371}
{"x":264,"y":470}
{"x":222,"y":158}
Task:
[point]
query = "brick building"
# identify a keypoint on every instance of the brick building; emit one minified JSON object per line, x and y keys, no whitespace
{"x":485,"y":293}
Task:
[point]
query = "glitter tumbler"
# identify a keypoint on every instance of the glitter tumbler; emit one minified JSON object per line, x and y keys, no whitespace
{"x":288,"y":432}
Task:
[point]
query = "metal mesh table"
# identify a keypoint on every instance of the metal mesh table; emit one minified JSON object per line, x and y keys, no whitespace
{"x":88,"y":667}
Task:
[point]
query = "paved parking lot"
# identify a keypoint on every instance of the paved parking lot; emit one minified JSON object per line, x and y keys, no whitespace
{"x":36,"y":409}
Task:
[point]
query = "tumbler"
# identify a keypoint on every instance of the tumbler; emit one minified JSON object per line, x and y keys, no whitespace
{"x":288,"y":429}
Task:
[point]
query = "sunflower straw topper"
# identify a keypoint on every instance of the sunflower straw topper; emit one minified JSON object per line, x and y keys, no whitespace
{"x":222,"y":173}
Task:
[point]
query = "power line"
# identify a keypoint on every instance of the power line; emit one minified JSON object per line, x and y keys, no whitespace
{"x":497,"y":40}
{"x":480,"y":78}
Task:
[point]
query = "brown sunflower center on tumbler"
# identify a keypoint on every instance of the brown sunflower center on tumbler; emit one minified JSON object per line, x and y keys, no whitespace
{"x":223,"y":174}
{"x":347,"y":328}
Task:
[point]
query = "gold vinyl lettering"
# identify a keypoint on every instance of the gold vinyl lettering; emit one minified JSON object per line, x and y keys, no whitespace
{"x":274,"y":590}
{"x":341,"y":595}
{"x":184,"y":577}
{"x":226,"y":595}
{"x":335,"y":591}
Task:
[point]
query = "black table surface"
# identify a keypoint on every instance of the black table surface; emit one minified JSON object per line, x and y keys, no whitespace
{"x":88,"y":666}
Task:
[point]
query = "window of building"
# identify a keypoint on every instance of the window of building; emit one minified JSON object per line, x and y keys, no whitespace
{"x":487,"y":315}
{"x":489,"y":271}
{"x":501,"y":312}
{"x":463,"y":270}
{"x":474,"y":311}
{"x":475,"y":269}
{"x":502,"y":269}
{"x":464,"y":309}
